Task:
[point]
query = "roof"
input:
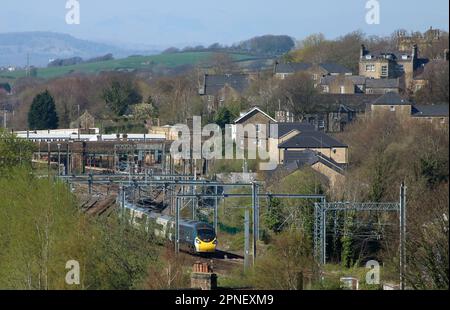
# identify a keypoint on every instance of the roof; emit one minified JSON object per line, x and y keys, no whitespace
{"x":311,"y":139}
{"x":285,"y":128}
{"x":333,"y":102}
{"x":355,"y":79}
{"x":214,"y":83}
{"x":292,"y":67}
{"x":383,"y":83}
{"x":391,"y":99}
{"x":430,"y":110}
{"x":252,"y":112}
{"x":309,"y":158}
{"x":334,"y":68}
{"x":389,"y":55}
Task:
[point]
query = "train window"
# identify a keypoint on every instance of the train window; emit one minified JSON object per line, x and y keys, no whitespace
{"x":206,"y":234}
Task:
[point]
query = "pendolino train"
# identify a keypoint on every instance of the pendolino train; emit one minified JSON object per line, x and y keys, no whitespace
{"x":195,"y":237}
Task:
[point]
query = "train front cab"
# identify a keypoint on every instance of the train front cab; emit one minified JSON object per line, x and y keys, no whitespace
{"x":205,"y":240}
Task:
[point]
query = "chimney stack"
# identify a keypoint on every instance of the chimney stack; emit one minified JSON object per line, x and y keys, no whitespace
{"x":415,"y":51}
{"x":202,"y":277}
{"x":363,"y":51}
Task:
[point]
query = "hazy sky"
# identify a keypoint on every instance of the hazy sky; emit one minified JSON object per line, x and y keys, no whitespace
{"x":182,"y":22}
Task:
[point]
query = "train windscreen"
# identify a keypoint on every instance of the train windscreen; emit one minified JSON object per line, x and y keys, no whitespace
{"x":206,"y":235}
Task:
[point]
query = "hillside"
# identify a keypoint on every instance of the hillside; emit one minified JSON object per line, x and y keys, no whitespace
{"x":43,"y":46}
{"x":132,"y":63}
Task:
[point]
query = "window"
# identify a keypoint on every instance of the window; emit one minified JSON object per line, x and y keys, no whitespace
{"x":342,"y":89}
{"x":370,"y":68}
{"x":392,"y":108}
{"x":384,"y":71}
{"x":326,"y":88}
{"x":315,"y":77}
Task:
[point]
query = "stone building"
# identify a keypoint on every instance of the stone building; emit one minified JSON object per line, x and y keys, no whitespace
{"x":390,"y":64}
{"x":85,"y":123}
{"x":216,"y":89}
{"x":436,"y":114}
{"x":316,"y":71}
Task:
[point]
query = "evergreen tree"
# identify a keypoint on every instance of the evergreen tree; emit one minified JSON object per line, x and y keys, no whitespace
{"x":42,"y":114}
{"x":274,"y":217}
{"x":223,"y":117}
{"x":119,"y":96}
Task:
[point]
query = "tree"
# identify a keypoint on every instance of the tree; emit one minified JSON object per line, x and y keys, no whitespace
{"x":222,"y":63}
{"x":274,"y":217}
{"x":143,"y":112}
{"x":14,"y":151}
{"x":119,"y":96}
{"x":223,"y":117}
{"x":268,"y":45}
{"x":298,"y":93}
{"x":42,"y":114}
{"x":283,"y":267}
{"x":437,"y":88}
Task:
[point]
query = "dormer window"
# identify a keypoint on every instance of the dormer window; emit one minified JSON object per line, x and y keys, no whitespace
{"x":368,"y":56}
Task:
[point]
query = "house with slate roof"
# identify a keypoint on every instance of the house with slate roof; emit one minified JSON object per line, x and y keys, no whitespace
{"x":296,"y":143}
{"x":390,"y":64}
{"x":317,"y":71}
{"x":436,"y":114}
{"x":357,"y":84}
{"x":216,"y":89}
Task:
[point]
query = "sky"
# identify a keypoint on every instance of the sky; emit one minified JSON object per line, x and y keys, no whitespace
{"x":190,"y":22}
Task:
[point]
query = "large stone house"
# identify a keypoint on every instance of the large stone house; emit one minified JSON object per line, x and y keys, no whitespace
{"x":216,"y":89}
{"x":317,"y":71}
{"x":390,"y":64}
{"x":436,"y":114}
{"x":356,"y":84}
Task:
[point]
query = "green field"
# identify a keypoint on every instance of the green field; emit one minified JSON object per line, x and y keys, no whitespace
{"x":130,"y":63}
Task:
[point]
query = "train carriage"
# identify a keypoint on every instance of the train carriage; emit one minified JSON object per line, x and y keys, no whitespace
{"x":194,"y":236}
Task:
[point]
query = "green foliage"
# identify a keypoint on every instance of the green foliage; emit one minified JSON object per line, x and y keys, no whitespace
{"x":119,"y":96}
{"x":304,"y":181}
{"x":347,"y":250}
{"x":268,"y":45}
{"x":14,"y":151}
{"x":274,"y":216}
{"x":434,"y":170}
{"x":42,"y":114}
{"x":224,"y":117}
{"x":41,"y":229}
{"x":285,"y":264}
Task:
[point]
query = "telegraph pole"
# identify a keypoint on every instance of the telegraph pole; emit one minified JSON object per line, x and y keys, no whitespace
{"x":255,"y":222}
{"x":247,"y":239}
{"x":177,"y":225}
{"x":402,"y":235}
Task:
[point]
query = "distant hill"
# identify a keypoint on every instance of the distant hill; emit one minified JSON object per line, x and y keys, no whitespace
{"x":133,"y":63}
{"x":44,"y":46}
